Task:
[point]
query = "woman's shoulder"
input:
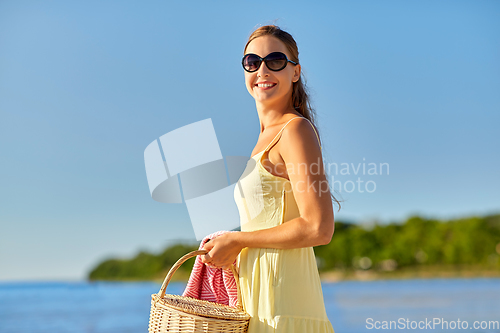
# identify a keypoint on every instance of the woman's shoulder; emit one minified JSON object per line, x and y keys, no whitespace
{"x":301,"y":132}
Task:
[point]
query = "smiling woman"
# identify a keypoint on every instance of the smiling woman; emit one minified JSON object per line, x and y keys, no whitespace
{"x":281,"y":220}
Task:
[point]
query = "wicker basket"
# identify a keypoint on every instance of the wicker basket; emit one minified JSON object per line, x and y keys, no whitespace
{"x":172,"y":313}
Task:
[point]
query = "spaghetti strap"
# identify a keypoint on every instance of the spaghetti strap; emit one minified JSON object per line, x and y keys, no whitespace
{"x":277,"y":135}
{"x":317,"y":136}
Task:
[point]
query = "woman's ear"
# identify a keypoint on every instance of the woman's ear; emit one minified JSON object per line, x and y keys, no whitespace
{"x":296,"y":73}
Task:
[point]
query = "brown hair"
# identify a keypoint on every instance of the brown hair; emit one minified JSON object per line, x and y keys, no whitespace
{"x":300,"y":95}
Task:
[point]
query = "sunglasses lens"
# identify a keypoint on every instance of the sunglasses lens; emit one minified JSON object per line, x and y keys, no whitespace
{"x":276,"y":61}
{"x":251,"y":63}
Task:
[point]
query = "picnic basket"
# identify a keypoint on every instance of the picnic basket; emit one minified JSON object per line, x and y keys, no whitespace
{"x":173,"y":313}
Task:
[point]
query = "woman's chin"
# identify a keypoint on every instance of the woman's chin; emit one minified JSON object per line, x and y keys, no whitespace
{"x":264,"y":98}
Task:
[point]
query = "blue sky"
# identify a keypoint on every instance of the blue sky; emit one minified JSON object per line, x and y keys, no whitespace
{"x":86,"y":86}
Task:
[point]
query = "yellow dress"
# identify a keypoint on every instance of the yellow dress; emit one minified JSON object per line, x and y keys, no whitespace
{"x":280,"y":288}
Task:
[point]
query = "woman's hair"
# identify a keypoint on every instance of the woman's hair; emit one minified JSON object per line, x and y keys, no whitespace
{"x":300,"y":96}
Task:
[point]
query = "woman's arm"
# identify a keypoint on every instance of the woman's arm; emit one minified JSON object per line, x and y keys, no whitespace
{"x":315,"y":226}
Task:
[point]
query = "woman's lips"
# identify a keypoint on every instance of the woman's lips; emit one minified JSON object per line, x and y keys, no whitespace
{"x":265,"y":88}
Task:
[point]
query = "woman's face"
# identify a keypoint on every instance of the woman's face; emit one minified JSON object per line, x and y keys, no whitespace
{"x":281,"y":92}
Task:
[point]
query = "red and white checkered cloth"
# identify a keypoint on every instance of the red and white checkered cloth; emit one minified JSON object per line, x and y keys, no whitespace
{"x":212,"y":284}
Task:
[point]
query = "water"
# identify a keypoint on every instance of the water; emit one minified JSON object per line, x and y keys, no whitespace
{"x":349,"y":304}
{"x":104,"y":307}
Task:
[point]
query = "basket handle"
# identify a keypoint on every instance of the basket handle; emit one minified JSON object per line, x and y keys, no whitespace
{"x":183,"y":259}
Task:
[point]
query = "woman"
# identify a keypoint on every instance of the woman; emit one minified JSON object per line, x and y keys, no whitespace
{"x":285,"y":208}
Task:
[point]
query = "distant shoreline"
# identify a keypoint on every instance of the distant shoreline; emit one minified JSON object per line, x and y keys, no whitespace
{"x":326,"y":277}
{"x":417,"y":248}
{"x":425,"y":272}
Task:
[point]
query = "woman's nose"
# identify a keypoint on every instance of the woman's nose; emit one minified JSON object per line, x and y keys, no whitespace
{"x":263,"y":70}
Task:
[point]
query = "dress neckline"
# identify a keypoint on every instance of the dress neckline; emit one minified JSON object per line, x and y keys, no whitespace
{"x":259,"y":163}
{"x":258,"y":153}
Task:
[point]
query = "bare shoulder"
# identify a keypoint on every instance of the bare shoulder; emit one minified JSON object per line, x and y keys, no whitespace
{"x":299,"y":134}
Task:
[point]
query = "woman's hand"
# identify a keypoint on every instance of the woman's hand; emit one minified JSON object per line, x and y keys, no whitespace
{"x":223,"y":251}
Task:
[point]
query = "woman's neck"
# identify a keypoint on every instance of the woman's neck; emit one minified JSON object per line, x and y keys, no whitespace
{"x":270,"y":116}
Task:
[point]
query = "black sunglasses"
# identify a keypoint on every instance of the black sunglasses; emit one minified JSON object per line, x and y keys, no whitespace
{"x":275,"y":61}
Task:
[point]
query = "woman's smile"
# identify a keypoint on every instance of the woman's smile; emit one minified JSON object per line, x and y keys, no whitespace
{"x":265,"y":85}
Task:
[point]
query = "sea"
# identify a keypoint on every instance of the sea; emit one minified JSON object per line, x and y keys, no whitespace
{"x":413,"y":305}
